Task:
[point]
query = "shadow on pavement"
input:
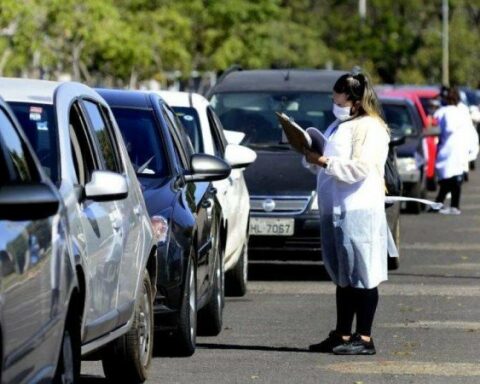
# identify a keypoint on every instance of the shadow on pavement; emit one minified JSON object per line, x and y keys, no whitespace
{"x":287,"y":271}
{"x":250,"y":348}
{"x":434,"y":275}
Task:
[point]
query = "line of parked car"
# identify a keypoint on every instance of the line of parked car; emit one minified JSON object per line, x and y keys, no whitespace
{"x":116,"y":227}
{"x":127,"y":216}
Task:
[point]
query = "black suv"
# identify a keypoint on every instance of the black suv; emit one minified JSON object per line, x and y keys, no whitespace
{"x":284,"y":213}
{"x":185,"y":214}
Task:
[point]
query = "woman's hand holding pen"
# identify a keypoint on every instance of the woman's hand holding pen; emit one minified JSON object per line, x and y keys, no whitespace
{"x":315,"y":158}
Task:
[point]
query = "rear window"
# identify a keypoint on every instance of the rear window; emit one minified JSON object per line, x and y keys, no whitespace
{"x":191,"y":123}
{"x":38,"y":122}
{"x":399,"y":119}
{"x":253,"y":113}
{"x":143,"y":141}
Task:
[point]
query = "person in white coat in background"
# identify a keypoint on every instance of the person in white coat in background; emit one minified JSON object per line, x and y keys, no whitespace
{"x":351,"y":198}
{"x":452,"y":151}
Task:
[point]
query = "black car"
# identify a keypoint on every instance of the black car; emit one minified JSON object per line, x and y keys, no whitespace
{"x":404,"y":120}
{"x":185,"y":213}
{"x":284,"y":213}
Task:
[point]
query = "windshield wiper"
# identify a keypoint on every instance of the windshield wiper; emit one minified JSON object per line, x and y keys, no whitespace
{"x":145,"y":165}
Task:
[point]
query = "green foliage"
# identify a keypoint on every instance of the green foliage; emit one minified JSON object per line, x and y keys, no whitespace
{"x":119,"y":42}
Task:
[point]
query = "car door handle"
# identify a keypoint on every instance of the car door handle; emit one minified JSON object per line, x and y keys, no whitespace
{"x":213,"y":190}
{"x":206,"y":203}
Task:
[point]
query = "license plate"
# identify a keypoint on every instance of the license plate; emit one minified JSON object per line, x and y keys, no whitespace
{"x":271,"y":226}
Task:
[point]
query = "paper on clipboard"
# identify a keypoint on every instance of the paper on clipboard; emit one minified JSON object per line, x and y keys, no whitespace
{"x":301,"y":139}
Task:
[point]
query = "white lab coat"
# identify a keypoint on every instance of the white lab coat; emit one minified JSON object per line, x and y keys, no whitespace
{"x":351,"y":199}
{"x":453,"y":146}
{"x":471,"y":132}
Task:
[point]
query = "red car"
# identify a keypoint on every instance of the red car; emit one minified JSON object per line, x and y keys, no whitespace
{"x":422,"y":98}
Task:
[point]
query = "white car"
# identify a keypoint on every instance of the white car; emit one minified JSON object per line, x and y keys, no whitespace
{"x":74,"y":135}
{"x":207,"y":135}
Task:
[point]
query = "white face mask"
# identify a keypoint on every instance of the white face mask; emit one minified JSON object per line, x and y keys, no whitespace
{"x":341,"y":113}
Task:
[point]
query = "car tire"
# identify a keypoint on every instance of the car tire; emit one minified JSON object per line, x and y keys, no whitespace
{"x":183,"y":341}
{"x":210,"y":317}
{"x":236,"y":280}
{"x":431,"y":184}
{"x":127,"y":359}
{"x":394,"y":262}
{"x":69,"y":360}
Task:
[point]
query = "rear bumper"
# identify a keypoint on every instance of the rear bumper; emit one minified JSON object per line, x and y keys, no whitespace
{"x":304,"y":244}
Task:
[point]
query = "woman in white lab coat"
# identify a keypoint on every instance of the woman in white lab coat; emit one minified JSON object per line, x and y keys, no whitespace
{"x":351,"y":198}
{"x":452,"y":151}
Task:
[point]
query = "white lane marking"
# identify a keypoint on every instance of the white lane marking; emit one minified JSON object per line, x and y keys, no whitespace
{"x":425,"y":324}
{"x":406,"y":368}
{"x":386,"y":289}
{"x":441,"y":246}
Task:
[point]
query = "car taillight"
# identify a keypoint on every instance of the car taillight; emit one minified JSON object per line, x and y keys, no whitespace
{"x":160,"y":228}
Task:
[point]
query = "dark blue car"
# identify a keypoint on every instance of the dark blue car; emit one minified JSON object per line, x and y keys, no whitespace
{"x":185,"y":213}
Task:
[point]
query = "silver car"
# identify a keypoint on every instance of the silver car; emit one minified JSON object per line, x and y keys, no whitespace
{"x":37,"y":274}
{"x":77,"y":141}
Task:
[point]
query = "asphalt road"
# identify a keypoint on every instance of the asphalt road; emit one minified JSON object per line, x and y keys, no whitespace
{"x":427,"y":328}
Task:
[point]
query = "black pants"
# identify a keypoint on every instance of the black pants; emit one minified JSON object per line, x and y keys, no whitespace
{"x":358,"y":302}
{"x":452,"y":185}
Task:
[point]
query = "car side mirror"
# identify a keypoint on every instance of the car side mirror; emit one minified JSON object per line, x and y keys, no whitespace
{"x":432,"y":131}
{"x":28,"y":202}
{"x":395,"y":141}
{"x":207,"y":168}
{"x":106,"y":186}
{"x":233,"y":137}
{"x":239,"y":156}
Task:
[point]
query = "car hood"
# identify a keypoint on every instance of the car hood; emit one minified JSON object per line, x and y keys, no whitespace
{"x":409,"y":148}
{"x":157,"y":194}
{"x":279,"y":172}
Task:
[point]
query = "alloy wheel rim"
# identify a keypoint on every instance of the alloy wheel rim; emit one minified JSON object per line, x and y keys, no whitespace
{"x":144,"y":328}
{"x":67,"y":376}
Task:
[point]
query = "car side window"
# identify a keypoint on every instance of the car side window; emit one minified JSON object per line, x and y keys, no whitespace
{"x":104,"y":136}
{"x":215,"y":129}
{"x":179,"y":145}
{"x":19,"y":163}
{"x":81,"y":145}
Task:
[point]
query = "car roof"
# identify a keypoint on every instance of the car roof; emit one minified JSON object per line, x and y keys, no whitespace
{"x":278,"y":80}
{"x":394,"y":100}
{"x":183,"y":99}
{"x":126,"y":98}
{"x":40,"y":91}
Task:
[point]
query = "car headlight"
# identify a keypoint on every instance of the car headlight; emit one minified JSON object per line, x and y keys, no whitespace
{"x":160,"y":228}
{"x":314,"y":199}
{"x":406,"y":164}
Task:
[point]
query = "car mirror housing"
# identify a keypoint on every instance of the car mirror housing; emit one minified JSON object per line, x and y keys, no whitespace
{"x":20,"y":202}
{"x":239,"y":156}
{"x":106,"y":186}
{"x":233,"y":137}
{"x":395,"y":141}
{"x":207,"y":168}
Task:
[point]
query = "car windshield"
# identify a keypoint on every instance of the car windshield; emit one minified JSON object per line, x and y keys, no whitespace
{"x":38,"y":122}
{"x":398,"y":119}
{"x":253,"y":113}
{"x":142,"y":140}
{"x":191,"y":122}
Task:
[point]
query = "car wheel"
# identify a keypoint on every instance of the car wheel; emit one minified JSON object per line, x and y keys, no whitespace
{"x":394,"y":262}
{"x":68,"y":366}
{"x":183,"y":342}
{"x":236,"y":280}
{"x":210,"y":317}
{"x":128,"y":358}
